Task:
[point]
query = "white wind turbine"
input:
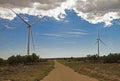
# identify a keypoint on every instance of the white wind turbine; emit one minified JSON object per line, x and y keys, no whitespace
{"x":29,"y":26}
{"x":98,"y":43}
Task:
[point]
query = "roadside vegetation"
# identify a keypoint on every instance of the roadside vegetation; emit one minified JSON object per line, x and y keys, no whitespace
{"x":103,"y":68}
{"x":24,"y":68}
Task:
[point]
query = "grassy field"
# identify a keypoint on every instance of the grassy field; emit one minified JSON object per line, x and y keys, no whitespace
{"x":102,"y":72}
{"x":26,"y":72}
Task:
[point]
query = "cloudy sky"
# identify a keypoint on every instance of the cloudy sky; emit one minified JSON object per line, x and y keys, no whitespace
{"x":69,"y":27}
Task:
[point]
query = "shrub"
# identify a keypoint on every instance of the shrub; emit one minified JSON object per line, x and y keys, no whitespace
{"x":112,"y":58}
{"x":27,"y":59}
{"x":2,"y":61}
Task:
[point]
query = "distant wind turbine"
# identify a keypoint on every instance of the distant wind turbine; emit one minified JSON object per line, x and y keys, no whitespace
{"x":29,"y":31}
{"x":98,"y":43}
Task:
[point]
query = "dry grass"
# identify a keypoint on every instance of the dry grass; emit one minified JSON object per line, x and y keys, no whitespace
{"x":103,"y":72}
{"x":26,"y":73}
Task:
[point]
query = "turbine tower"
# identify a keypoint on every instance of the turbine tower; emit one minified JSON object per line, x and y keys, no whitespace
{"x":98,"y":43}
{"x":29,"y":26}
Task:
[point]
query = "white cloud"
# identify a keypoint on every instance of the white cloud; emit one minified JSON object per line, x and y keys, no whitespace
{"x":8,"y":27}
{"x":52,"y":35}
{"x":5,"y":14}
{"x":66,"y":34}
{"x":93,"y":11}
{"x":76,"y":33}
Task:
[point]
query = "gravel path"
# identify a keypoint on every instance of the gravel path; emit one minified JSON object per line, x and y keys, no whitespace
{"x":63,"y":73}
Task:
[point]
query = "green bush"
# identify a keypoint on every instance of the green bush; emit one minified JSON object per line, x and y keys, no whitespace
{"x":112,"y":58}
{"x":27,"y":59}
{"x":11,"y":60}
{"x":2,"y":61}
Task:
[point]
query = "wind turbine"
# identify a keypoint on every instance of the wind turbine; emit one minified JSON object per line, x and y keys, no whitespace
{"x":29,"y":26}
{"x":98,"y":43}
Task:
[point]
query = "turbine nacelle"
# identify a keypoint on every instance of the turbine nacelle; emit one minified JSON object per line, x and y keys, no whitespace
{"x":28,"y":26}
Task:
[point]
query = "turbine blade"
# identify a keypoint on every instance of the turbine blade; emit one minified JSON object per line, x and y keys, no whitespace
{"x":38,"y":20}
{"x":102,"y":42}
{"x":32,"y":40}
{"x":96,"y":42}
{"x":20,"y":17}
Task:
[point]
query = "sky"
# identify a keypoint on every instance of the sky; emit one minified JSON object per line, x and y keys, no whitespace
{"x":68,"y":28}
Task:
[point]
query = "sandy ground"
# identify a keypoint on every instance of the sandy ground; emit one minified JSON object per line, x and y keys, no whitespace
{"x":63,"y":73}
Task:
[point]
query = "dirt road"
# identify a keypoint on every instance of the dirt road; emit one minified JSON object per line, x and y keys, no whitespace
{"x":63,"y":73}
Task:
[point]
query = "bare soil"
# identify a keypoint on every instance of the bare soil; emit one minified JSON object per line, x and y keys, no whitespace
{"x":64,"y":73}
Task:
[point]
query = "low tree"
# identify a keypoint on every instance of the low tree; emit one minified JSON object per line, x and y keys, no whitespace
{"x":35,"y":58}
{"x":11,"y":60}
{"x":92,"y":58}
{"x":112,"y":58}
{"x":2,"y":61}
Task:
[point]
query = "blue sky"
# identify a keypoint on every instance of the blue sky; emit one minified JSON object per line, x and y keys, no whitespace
{"x":71,"y":36}
{"x":69,"y":29}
